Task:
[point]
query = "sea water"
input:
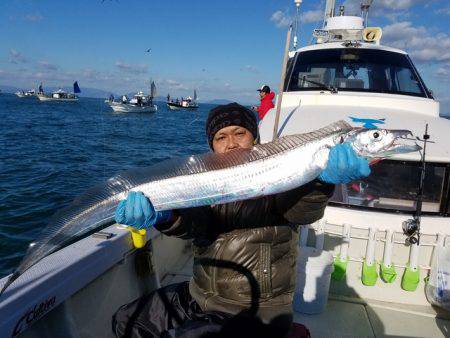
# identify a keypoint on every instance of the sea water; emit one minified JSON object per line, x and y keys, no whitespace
{"x":50,"y":152}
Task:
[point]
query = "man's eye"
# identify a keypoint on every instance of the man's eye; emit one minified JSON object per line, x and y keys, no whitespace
{"x":220,"y":138}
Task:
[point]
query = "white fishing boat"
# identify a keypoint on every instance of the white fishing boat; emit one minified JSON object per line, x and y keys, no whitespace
{"x":379,"y":288}
{"x":140,"y":103}
{"x":185,"y":103}
{"x":60,"y":95}
{"x":29,"y":93}
{"x":384,"y":231}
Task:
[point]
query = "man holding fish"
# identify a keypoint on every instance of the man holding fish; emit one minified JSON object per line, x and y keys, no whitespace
{"x":244,"y":251}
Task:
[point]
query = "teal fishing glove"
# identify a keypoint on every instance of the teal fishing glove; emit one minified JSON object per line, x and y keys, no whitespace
{"x":137,"y":211}
{"x":344,"y":165}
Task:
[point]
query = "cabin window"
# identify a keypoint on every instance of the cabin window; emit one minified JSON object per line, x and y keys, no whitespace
{"x":393,"y":185}
{"x":406,"y":81}
{"x":348,"y":69}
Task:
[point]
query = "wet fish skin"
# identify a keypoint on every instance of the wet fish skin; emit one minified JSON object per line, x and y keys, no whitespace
{"x":269,"y":168}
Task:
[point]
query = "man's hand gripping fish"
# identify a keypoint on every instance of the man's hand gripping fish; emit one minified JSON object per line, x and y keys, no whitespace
{"x":270,"y":168}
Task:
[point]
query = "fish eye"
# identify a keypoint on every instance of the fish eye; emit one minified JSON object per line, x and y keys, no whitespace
{"x":376,"y":136}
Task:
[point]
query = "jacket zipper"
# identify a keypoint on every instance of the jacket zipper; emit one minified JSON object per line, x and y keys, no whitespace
{"x":214,"y":272}
{"x":264,"y":270}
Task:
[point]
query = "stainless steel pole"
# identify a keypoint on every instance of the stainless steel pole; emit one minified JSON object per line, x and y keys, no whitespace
{"x":281,"y":88}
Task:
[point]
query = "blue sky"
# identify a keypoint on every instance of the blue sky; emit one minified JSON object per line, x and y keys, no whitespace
{"x":225,"y":49}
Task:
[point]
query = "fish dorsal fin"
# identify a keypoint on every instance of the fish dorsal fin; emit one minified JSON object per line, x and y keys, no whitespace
{"x":288,"y":142}
{"x":337,"y":127}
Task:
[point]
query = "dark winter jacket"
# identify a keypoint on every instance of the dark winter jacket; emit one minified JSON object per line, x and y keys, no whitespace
{"x":242,"y":244}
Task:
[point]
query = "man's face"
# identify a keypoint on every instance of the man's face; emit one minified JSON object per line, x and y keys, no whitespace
{"x":232,"y":137}
{"x":262,"y":94}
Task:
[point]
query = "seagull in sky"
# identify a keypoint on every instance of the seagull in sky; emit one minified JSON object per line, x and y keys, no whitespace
{"x":148,"y":50}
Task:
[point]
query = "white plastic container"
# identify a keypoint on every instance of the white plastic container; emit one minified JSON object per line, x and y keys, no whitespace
{"x":314,"y":268}
{"x":437,"y":289}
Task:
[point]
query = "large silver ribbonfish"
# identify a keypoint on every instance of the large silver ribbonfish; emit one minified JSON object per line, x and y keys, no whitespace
{"x":270,"y":168}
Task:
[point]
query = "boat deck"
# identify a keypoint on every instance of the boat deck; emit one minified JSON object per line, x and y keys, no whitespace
{"x":348,"y":318}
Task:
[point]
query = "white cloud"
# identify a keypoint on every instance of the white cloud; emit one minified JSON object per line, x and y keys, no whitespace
{"x":132,"y":69}
{"x":443,"y":73}
{"x":174,"y":85}
{"x":390,"y":9}
{"x":354,"y":6}
{"x":251,"y":69}
{"x":47,"y":65}
{"x":96,"y":76}
{"x":35,"y":17}
{"x":418,"y":42}
{"x":312,"y":16}
{"x":445,"y":11}
{"x":396,"y":4}
{"x":282,"y":19}
{"x":16,"y":57}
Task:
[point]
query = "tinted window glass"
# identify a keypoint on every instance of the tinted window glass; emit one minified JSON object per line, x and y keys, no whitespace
{"x":356,"y":70}
{"x":393,"y":185}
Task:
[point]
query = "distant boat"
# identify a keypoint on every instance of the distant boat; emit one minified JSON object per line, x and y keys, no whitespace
{"x":29,"y":93}
{"x":60,"y":95}
{"x":140,"y":103}
{"x":185,"y":103}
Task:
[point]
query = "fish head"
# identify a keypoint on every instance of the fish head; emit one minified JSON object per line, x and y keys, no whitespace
{"x":380,"y":143}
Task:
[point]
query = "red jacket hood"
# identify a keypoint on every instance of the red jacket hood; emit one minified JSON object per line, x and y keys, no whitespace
{"x":269,"y":96}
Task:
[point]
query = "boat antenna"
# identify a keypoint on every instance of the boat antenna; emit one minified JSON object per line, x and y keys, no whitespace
{"x":329,"y":11}
{"x":365,"y":5}
{"x":282,"y":80}
{"x":411,"y":227}
{"x":297,"y":6}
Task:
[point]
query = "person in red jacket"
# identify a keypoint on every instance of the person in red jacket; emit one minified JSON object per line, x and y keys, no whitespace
{"x":266,"y":101}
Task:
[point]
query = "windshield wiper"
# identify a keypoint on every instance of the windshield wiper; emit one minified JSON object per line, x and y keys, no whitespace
{"x":331,"y":88}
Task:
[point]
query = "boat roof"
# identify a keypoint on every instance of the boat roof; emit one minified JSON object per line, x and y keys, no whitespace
{"x":343,"y":44}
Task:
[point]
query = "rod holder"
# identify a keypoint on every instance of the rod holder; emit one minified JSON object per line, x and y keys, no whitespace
{"x":387,"y":269}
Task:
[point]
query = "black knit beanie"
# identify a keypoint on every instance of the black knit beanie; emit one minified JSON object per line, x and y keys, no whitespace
{"x":226,"y":115}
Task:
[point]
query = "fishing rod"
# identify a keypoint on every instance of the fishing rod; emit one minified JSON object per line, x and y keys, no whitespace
{"x":411,"y":227}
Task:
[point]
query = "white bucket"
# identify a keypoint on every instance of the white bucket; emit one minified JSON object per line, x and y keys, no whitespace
{"x":314,"y":268}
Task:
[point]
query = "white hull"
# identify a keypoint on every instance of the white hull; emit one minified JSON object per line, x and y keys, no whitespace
{"x":131,"y":108}
{"x":24,"y":95}
{"x":173,"y":106}
{"x":61,"y":294}
{"x":47,"y":98}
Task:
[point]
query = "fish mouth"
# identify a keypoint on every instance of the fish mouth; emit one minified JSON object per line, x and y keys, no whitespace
{"x":397,"y":147}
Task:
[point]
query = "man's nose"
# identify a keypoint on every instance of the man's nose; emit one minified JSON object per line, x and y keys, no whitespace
{"x":232,"y":143}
